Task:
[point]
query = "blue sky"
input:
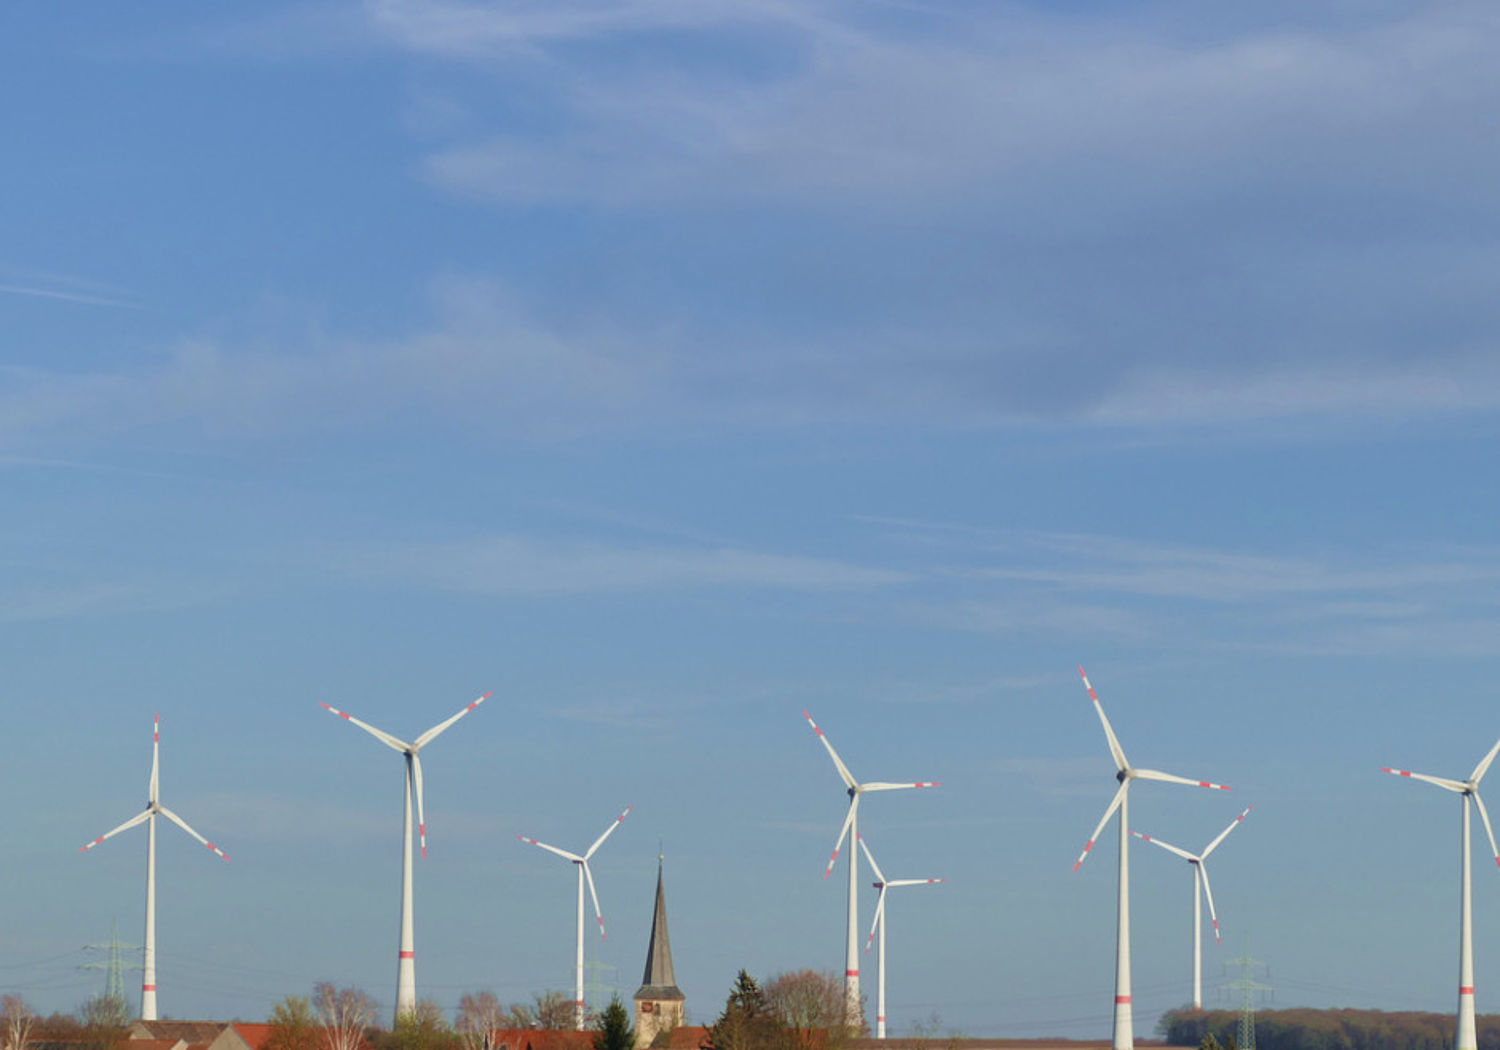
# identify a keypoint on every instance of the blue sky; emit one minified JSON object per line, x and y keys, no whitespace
{"x":669,"y":367}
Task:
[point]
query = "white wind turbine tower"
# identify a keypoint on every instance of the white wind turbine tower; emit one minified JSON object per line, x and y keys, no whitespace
{"x":1200,"y":880}
{"x":852,"y":1009}
{"x":153,"y":807}
{"x":1124,"y":1033}
{"x":879,"y":924}
{"x":406,"y":960}
{"x":1465,"y":1037}
{"x":582,"y":863}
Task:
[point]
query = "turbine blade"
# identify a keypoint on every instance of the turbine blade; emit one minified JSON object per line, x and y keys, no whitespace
{"x":1442,"y":782}
{"x":607,"y":832}
{"x":575,"y":858}
{"x":882,"y":786}
{"x":879,"y":914}
{"x":1170,"y":778}
{"x":175,"y":819}
{"x":849,"y":780}
{"x":132,"y":822}
{"x":848,"y":820}
{"x":915,"y":882}
{"x":1203,"y":870}
{"x":431,"y":734}
{"x":1114,"y":804}
{"x":1114,"y":742}
{"x":1184,"y":854}
{"x":155,"y":756}
{"x":588,"y":877}
{"x":1484,"y":816}
{"x":871,"y":858}
{"x":1225,"y":833}
{"x":416,"y":777}
{"x":1484,"y":764}
{"x":383,"y":737}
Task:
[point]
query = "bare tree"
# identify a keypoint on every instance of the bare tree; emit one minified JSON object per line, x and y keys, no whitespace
{"x":807,"y":1001}
{"x":518,"y":1015}
{"x":19,"y":1019}
{"x":553,"y":1010}
{"x":479,"y":1014}
{"x":345,"y":1013}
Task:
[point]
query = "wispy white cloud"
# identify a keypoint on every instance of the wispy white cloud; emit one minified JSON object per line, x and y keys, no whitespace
{"x":1156,"y":221}
{"x":22,"y":602}
{"x":64,"y":296}
{"x":517,"y":565}
{"x":1112,"y":589}
{"x":1105,"y":564}
{"x":459,"y":29}
{"x":884,"y":107}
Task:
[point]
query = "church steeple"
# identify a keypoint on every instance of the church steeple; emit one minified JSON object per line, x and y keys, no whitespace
{"x":658,"y":1003}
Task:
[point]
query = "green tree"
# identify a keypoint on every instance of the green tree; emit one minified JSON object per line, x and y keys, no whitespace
{"x":293,"y":1025}
{"x":748,"y":1021}
{"x":614,"y":1031}
{"x":424,"y":1028}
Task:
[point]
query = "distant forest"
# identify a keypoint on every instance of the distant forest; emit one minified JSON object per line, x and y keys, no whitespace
{"x":1326,"y":1029}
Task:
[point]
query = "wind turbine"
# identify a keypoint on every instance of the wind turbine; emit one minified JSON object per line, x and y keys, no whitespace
{"x":1124,"y":1033}
{"x":1464,"y":1038}
{"x":853,"y":1012}
{"x":1200,"y":879}
{"x":406,"y":960}
{"x":153,"y":807}
{"x":583,"y":874}
{"x":879,"y":923}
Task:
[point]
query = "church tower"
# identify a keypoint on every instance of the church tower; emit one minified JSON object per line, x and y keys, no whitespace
{"x":658,"y":1003}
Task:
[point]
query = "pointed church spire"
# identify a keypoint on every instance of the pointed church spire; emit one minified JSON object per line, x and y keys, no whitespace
{"x":659,"y":982}
{"x":659,"y":1003}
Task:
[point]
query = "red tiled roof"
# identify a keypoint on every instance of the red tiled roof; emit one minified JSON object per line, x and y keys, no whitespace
{"x":254,"y":1034}
{"x":541,"y":1039}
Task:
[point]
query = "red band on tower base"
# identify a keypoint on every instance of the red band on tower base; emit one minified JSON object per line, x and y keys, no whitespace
{"x":1119,"y":999}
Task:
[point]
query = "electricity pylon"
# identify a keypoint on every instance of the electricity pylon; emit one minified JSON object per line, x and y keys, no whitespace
{"x":1248,"y":988}
{"x":114,"y":982}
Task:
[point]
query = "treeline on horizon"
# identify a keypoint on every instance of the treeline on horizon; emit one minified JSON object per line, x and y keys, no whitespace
{"x":1308,"y":1029}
